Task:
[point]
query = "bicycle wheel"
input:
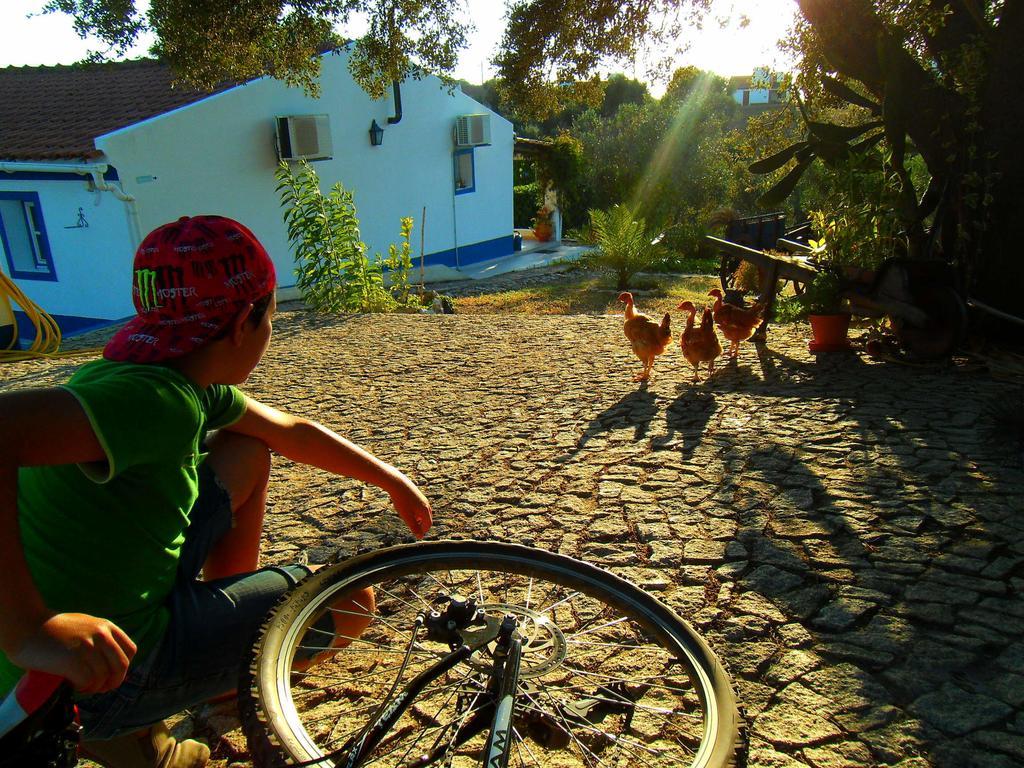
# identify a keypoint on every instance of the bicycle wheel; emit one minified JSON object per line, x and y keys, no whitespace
{"x":608,"y":675}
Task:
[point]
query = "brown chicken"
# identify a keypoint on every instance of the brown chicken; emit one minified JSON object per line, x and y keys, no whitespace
{"x":647,"y":338}
{"x":699,"y":345}
{"x":736,"y":323}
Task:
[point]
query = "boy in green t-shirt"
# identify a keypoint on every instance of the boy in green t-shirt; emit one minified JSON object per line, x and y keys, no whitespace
{"x":113,"y":499}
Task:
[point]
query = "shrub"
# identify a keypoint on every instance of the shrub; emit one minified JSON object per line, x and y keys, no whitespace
{"x":526,"y":199}
{"x":821,"y":296}
{"x":332,"y":270}
{"x":624,"y":244}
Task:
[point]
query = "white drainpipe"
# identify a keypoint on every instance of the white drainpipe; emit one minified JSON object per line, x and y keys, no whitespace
{"x":95,"y":171}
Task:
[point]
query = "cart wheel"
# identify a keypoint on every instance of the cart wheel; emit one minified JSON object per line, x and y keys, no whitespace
{"x":727,"y":271}
{"x":799,"y":287}
{"x":944,"y":329}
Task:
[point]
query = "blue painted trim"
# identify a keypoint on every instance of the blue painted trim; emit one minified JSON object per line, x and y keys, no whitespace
{"x":472,"y":170}
{"x":470,"y":254}
{"x":110,"y":175}
{"x":44,"y":241}
{"x":70,"y":325}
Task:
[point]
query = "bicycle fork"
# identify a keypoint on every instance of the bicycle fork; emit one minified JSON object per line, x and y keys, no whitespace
{"x":506,"y":676}
{"x":497,"y":709}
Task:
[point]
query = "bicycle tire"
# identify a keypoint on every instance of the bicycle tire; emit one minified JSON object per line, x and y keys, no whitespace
{"x":277,"y":736}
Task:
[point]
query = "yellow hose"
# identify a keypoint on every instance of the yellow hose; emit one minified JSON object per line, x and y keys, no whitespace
{"x":48,"y":337}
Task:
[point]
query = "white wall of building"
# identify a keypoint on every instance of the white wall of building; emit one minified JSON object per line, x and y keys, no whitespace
{"x":219,"y":156}
{"x":93,"y":263}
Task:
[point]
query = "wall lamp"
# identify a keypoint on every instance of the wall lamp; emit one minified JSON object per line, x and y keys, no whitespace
{"x":376,"y":134}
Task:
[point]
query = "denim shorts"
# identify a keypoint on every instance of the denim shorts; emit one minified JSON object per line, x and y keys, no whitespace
{"x":212,"y":625}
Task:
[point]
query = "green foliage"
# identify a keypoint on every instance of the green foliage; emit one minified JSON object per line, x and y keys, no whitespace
{"x":856,"y":220}
{"x":822,"y":296}
{"x":620,"y":90}
{"x":332,"y":271}
{"x":624,"y":244}
{"x":561,"y":169}
{"x":670,"y":160}
{"x":398,"y":263}
{"x":211,"y":41}
{"x":526,"y":199}
{"x":551,"y":52}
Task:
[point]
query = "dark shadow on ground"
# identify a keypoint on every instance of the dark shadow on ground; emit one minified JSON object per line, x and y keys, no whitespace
{"x":899,"y":550}
{"x":635,"y":409}
{"x":687,"y":418}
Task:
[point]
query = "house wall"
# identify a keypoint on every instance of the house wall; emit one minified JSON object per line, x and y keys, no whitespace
{"x":92,"y":264}
{"x":219,"y":156}
{"x":755,"y":95}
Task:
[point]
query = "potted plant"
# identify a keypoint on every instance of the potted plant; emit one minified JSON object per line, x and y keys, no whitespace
{"x":543,"y":229}
{"x":824,"y":307}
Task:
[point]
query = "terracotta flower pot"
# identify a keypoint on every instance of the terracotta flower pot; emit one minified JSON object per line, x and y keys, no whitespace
{"x":829,"y":333}
{"x":543,"y":231}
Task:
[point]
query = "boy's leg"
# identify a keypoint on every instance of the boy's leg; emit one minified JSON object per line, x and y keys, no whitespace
{"x":213,"y":621}
{"x":242,"y":466}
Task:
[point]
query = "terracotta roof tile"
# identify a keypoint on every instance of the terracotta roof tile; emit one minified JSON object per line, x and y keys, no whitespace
{"x":55,"y":113}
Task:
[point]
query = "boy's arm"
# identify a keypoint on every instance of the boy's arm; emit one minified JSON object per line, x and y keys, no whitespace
{"x":45,"y":427}
{"x":306,"y":442}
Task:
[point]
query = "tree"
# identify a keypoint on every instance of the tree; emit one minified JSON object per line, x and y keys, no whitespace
{"x":209,"y":41}
{"x":668,"y":161}
{"x":937,"y":74}
{"x":619,"y":90}
{"x":941,"y":72}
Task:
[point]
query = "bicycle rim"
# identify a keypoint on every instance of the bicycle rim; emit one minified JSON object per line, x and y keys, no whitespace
{"x":609,"y":675}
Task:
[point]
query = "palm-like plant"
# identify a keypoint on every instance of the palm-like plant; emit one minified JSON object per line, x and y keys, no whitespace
{"x":625,"y":245}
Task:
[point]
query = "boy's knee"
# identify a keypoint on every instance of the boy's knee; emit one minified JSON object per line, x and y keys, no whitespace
{"x":241,"y":463}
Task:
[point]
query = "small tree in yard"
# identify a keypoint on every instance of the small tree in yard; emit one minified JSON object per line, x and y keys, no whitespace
{"x":625,"y":246}
{"x":332,"y":270}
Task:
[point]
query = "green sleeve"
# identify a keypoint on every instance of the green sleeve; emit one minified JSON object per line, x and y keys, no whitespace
{"x":138,"y":420}
{"x":224,"y":405}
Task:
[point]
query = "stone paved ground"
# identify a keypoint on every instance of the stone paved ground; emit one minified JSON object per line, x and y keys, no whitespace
{"x":847,"y":534}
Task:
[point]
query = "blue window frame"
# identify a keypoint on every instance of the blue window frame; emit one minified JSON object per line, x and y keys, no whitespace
{"x":23,"y":237}
{"x":465,"y":171}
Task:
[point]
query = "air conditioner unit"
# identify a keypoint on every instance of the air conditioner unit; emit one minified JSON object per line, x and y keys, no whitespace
{"x":304,"y":137}
{"x":472,"y":130}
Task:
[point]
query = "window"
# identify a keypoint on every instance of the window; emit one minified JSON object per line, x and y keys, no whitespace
{"x":465,"y":179}
{"x":23,"y":237}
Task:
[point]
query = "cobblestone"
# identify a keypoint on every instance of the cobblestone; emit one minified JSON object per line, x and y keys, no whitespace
{"x":859,"y":522}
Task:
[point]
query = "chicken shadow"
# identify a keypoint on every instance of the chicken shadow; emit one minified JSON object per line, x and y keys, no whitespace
{"x":686,"y":421}
{"x":776,"y":365}
{"x":636,"y":409}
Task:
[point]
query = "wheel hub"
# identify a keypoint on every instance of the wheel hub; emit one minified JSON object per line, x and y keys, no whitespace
{"x":544,"y":645}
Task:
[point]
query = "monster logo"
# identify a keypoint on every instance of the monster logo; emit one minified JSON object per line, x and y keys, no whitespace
{"x":233,"y":264}
{"x":145,"y":285}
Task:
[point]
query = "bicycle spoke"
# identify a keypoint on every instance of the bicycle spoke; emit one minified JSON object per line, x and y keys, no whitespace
{"x":426,"y":731}
{"x":574,"y":635}
{"x":619,"y":740}
{"x":606,"y":681}
{"x":584,"y":751}
{"x":635,"y":680}
{"x":521,"y":745}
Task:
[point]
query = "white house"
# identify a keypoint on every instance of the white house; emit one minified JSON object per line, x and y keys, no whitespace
{"x":92,"y":158}
{"x":763,"y":88}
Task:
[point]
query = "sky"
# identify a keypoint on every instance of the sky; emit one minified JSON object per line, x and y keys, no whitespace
{"x":727,"y":50}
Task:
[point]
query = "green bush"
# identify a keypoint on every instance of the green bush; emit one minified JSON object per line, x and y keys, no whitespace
{"x":526,"y":199}
{"x":624,"y":244}
{"x":332,"y":270}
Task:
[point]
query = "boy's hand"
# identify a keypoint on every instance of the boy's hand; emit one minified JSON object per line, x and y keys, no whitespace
{"x":92,"y":653}
{"x":413,"y":508}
